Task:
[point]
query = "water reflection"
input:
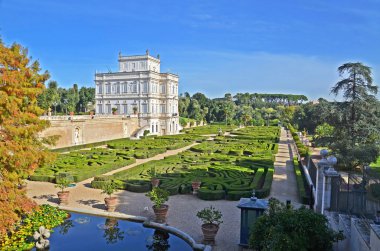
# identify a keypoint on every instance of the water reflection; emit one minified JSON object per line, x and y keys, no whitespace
{"x":112,"y":232}
{"x":159,"y":241}
{"x":65,"y":227}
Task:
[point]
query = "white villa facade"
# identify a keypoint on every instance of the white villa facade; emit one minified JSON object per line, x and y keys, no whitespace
{"x":140,"y":88}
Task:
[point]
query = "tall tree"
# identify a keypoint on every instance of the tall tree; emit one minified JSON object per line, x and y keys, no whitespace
{"x":358,"y":127}
{"x":21,"y":150}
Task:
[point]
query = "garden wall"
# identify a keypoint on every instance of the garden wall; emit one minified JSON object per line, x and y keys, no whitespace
{"x":78,"y":130}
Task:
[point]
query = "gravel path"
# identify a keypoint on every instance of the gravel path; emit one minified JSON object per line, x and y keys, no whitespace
{"x":284,"y":185}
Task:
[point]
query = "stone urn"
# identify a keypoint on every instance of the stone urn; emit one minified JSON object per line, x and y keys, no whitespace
{"x":63,"y":197}
{"x":155,"y":182}
{"x":161,"y":213}
{"x":196,"y":185}
{"x":111,"y":203}
{"x":209,"y":232}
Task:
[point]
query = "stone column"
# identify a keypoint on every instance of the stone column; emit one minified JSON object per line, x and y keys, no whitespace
{"x":319,"y":186}
{"x":329,"y":176}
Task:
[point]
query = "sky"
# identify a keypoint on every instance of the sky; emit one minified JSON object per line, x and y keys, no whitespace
{"x":216,"y":47}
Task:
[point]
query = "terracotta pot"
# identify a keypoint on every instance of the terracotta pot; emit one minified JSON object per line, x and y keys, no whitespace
{"x":63,"y":197}
{"x":161,"y":213}
{"x":209,"y":232}
{"x":111,"y":203}
{"x":196,"y":185}
{"x":71,"y":113}
{"x":155,"y":182}
{"x":91,"y":113}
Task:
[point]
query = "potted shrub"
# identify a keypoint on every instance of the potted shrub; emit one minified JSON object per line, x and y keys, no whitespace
{"x":63,"y":195}
{"x":211,"y":219}
{"x":196,"y":183}
{"x":111,"y":202}
{"x":153,"y":177}
{"x":159,"y":196}
{"x":114,"y":110}
{"x":135,"y":109}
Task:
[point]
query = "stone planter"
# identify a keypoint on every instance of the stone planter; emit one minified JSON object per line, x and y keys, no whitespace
{"x":196,"y":185}
{"x":111,"y":203}
{"x":155,"y":182}
{"x":63,"y":197}
{"x":209,"y":232}
{"x":161,"y":213}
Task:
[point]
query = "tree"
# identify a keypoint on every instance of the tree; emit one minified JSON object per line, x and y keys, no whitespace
{"x":356,"y":140}
{"x":283,"y":228}
{"x":21,"y":150}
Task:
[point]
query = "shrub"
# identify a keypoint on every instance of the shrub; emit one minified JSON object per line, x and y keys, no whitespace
{"x":284,"y":228}
{"x":210,"y":215}
{"x":236,"y":195}
{"x":158,"y":196}
{"x":207,"y":194}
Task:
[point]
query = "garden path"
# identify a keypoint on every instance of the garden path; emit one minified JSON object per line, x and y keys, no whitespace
{"x":284,"y":185}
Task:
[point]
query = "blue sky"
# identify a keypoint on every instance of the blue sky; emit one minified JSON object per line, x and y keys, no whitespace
{"x":215,"y":46}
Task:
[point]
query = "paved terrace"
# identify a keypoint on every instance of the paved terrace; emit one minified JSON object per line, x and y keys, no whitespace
{"x":182,"y":208}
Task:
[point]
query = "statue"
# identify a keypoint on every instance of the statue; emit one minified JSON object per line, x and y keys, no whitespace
{"x":220,"y":132}
{"x":76,"y":136}
{"x":49,"y":112}
{"x":147,"y":51}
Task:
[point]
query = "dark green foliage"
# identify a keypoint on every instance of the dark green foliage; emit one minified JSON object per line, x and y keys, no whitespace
{"x":208,"y":194}
{"x":222,"y":175}
{"x":301,"y":182}
{"x":283,"y":228}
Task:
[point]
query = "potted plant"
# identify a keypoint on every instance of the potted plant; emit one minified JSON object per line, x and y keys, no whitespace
{"x":153,"y":177}
{"x":159,"y":196}
{"x":135,"y":109}
{"x":111,"y":202}
{"x":63,"y":195}
{"x":196,"y":183}
{"x":211,"y":219}
{"x":114,"y":110}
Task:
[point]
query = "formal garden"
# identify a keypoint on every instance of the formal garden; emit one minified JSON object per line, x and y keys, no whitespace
{"x":227,"y":167}
{"x":84,"y":164}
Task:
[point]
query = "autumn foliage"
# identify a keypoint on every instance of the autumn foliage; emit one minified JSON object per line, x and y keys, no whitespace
{"x":21,"y":150}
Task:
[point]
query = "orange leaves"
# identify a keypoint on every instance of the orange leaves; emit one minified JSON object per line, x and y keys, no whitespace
{"x":21,"y":151}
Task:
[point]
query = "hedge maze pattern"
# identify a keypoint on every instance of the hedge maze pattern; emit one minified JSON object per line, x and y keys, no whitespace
{"x":228,"y":167}
{"x":84,"y":164}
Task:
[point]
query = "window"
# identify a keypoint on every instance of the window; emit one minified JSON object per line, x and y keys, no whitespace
{"x":152,"y":128}
{"x":117,"y":88}
{"x":162,"y":89}
{"x":108,"y":109}
{"x":108,"y":88}
{"x":134,"y":88}
{"x":125,"y":88}
{"x":145,"y":87}
{"x":144,"y":108}
{"x":125,"y":108}
{"x":100,"y":109}
{"x":100,"y":89}
{"x":156,"y":128}
{"x":162,"y":108}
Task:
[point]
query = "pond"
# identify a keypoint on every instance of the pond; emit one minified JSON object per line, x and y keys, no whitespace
{"x":89,"y":232}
